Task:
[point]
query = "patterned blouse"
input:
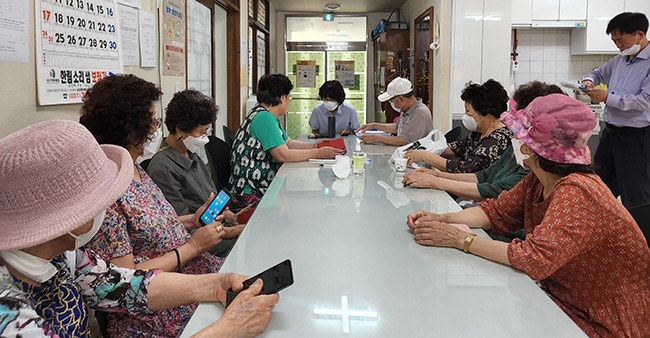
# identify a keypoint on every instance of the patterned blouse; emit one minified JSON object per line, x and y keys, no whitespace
{"x":57,"y":308}
{"x":144,"y":224}
{"x":585,"y":249}
{"x":253,"y":166}
{"x":474,"y":153}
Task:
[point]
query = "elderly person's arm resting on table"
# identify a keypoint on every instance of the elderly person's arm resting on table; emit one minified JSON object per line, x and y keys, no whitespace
{"x":461,"y":184}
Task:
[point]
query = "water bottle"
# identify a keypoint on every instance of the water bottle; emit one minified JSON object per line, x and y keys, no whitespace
{"x":358,"y":160}
{"x":331,"y":126}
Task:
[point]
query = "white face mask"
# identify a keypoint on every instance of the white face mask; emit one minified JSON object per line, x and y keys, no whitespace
{"x":470,"y":123}
{"x":151,"y":147}
{"x":634,"y":50}
{"x":399,"y":110}
{"x":331,"y":105}
{"x":35,"y":268}
{"x":81,"y":240}
{"x":516,"y":149}
{"x":193,"y":144}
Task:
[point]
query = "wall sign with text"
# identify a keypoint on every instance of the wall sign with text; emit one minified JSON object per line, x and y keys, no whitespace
{"x":77,"y":44}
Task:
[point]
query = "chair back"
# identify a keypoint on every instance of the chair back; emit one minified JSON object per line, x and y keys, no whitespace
{"x":453,"y":134}
{"x":641,"y":215}
{"x":219,"y":156}
{"x":228,"y":135}
{"x":145,"y":164}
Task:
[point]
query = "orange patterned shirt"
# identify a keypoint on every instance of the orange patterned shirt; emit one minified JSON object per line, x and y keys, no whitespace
{"x":584,"y":248}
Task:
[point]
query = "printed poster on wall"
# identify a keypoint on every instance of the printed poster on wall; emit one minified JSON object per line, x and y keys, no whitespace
{"x":344,"y":73}
{"x":14,"y":31}
{"x":77,"y":44}
{"x":306,"y":73}
{"x":173,"y":37}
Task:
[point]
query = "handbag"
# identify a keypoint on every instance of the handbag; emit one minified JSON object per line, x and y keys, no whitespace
{"x":434,"y":142}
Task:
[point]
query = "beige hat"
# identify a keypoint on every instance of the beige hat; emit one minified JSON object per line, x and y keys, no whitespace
{"x":55,"y":178}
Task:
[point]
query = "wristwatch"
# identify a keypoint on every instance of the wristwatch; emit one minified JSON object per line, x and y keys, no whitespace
{"x":468,"y":241}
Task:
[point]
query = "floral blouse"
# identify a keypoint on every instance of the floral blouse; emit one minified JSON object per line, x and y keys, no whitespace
{"x":143,"y":223}
{"x":57,"y":308}
{"x":474,"y":153}
{"x":585,"y":249}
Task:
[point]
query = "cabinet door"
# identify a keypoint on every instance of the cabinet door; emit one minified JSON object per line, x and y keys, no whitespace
{"x":641,"y":6}
{"x":599,"y":12}
{"x":573,"y":9}
{"x":546,"y":9}
{"x":522,"y":12}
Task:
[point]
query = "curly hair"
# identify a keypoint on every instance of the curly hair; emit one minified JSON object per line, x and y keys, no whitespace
{"x":189,"y":109}
{"x":270,"y":88}
{"x":117,"y":110}
{"x":490,"y":98}
{"x":333,"y":90}
{"x":527,"y":92}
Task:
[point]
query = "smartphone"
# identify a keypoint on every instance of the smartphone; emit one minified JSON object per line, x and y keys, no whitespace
{"x":217,"y":205}
{"x":275,"y":279}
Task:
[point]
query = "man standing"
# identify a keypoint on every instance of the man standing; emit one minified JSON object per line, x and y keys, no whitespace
{"x":415,"y":121}
{"x":622,"y":159}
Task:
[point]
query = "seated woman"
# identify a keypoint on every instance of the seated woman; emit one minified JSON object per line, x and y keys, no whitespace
{"x":581,"y":244}
{"x":59,"y":167}
{"x":488,"y":140}
{"x":333,"y":96}
{"x":141,"y":229}
{"x":262,"y":145}
{"x":500,"y":175}
{"x":181,"y":175}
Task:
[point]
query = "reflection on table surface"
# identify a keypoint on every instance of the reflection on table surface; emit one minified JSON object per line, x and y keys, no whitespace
{"x":358,"y":271}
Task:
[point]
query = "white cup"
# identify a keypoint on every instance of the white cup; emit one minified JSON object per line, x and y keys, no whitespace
{"x":400,"y":164}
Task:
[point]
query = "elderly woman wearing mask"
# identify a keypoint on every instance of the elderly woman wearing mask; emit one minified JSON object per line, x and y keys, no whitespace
{"x":581,"y":243}
{"x":141,"y":229}
{"x":56,"y":185}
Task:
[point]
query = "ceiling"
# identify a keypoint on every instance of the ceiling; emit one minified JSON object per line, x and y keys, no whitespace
{"x":347,"y":6}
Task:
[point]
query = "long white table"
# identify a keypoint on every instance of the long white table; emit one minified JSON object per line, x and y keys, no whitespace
{"x":358,"y":271}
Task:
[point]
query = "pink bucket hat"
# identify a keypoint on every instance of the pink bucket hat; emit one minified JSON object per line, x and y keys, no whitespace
{"x":55,"y":177}
{"x":555,"y":126}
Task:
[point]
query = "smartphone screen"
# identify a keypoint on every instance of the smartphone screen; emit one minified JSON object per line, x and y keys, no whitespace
{"x":275,"y":279}
{"x":215,"y":208}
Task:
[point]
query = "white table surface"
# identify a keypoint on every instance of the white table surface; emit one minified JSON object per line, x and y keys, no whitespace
{"x":349,"y":238}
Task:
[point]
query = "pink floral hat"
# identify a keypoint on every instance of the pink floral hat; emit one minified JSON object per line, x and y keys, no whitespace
{"x":557,"y":127}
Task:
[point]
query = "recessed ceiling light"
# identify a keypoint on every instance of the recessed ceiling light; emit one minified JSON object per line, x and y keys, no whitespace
{"x":332,"y":7}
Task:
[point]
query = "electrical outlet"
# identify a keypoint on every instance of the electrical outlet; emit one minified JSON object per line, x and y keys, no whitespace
{"x":515,"y":66}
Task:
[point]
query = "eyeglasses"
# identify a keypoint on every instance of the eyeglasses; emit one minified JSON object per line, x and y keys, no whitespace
{"x":157,"y":122}
{"x":204,"y":133}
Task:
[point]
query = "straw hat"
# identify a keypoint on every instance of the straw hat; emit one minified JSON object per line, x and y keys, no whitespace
{"x":55,"y":178}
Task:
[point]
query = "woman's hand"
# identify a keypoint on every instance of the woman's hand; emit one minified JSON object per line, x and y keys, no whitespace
{"x":420,"y":179}
{"x":419,"y":216}
{"x":418,"y":155}
{"x":197,"y":215}
{"x":436,"y":233}
{"x":249,"y":313}
{"x":329,"y":152}
{"x":207,"y":237}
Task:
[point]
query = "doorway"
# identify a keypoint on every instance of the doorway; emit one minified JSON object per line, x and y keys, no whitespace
{"x":319,"y":51}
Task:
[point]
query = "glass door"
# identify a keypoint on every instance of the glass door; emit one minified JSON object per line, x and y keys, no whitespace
{"x":304,"y":98}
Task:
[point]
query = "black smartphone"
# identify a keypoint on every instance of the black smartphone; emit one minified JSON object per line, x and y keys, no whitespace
{"x":217,"y":205}
{"x":275,"y":279}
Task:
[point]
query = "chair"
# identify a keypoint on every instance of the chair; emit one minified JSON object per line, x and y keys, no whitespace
{"x":641,"y":215}
{"x":219,"y":157}
{"x":453,"y":134}
{"x":145,"y":164}
{"x":228,"y":135}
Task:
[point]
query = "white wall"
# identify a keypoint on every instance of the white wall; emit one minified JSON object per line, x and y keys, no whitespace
{"x":442,"y":56}
{"x":20,"y":107}
{"x":545,"y":55}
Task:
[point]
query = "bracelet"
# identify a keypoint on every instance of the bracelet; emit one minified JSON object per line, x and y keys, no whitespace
{"x":178,"y":260}
{"x":468,"y":241}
